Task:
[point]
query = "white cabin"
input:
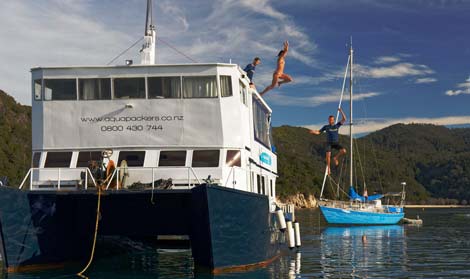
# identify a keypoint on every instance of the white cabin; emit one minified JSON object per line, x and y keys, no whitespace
{"x":183,"y":122}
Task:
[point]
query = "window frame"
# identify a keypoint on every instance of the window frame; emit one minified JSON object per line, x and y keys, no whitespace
{"x":230,"y":85}
{"x":43,"y":84}
{"x":113,"y":87}
{"x":177,"y":166}
{"x":101,"y":78}
{"x":206,"y":150}
{"x":217,"y":93}
{"x":60,"y":167}
{"x":119,"y":160}
{"x":166,"y":76}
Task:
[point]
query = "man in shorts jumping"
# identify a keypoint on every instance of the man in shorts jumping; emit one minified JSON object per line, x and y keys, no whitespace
{"x":279,"y":77}
{"x":332,"y":138}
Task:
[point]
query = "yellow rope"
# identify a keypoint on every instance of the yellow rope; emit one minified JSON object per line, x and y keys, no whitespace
{"x":96,"y":234}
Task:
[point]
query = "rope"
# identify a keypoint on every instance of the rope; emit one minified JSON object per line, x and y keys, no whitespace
{"x":120,"y":54}
{"x":176,"y":50}
{"x":360,"y":165}
{"x":94,"y":237}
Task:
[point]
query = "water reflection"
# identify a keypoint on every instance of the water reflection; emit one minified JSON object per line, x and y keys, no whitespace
{"x":294,"y":266}
{"x":361,"y":251}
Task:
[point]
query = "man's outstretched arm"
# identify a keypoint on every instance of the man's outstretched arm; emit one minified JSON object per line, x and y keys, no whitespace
{"x":314,"y":132}
{"x":343,"y":116}
{"x":286,"y":48}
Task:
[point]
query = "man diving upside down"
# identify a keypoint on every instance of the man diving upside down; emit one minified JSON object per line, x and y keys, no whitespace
{"x":332,"y":138}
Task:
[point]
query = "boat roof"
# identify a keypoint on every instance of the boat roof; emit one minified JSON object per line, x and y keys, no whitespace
{"x":136,"y":65}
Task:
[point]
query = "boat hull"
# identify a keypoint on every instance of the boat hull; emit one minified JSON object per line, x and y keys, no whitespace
{"x":225,"y":227}
{"x":344,"y":216}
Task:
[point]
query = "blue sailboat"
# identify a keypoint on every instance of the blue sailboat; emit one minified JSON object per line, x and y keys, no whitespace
{"x":359,"y":210}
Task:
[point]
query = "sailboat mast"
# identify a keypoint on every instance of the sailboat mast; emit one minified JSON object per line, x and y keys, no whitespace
{"x":147,"y":53}
{"x":351,"y":116}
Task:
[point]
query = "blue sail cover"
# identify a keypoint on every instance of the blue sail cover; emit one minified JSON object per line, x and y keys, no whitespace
{"x":353,"y":195}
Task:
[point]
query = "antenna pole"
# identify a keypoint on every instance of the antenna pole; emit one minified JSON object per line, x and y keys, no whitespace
{"x":147,"y":53}
{"x":351,"y":116}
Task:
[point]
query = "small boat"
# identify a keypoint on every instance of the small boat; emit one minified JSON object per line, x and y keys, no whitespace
{"x":360,"y":209}
{"x":151,"y":152}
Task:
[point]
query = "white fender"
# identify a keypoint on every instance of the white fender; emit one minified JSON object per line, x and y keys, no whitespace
{"x":281,"y":220}
{"x":290,"y":235}
{"x":297,"y":234}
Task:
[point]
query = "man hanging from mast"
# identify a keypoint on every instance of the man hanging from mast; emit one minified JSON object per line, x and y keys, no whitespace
{"x":279,"y":72}
{"x":332,"y":138}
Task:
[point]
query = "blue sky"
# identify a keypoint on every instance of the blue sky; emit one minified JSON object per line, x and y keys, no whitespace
{"x":412,"y":56}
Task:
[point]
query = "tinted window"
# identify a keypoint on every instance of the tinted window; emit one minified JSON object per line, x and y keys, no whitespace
{"x":36,"y":159}
{"x":226,"y":86}
{"x":129,"y":88}
{"x":271,"y":188}
{"x":261,"y":123}
{"x":37,"y":89}
{"x":133,"y":158}
{"x":200,"y":87}
{"x":58,"y":159}
{"x":258,"y":183}
{"x":60,"y":89}
{"x":172,"y":159}
{"x":164,"y":87}
{"x":205,"y":158}
{"x":85,"y":157}
{"x":234,"y":158}
{"x":94,"y":89}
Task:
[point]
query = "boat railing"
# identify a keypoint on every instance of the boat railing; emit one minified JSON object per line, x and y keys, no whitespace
{"x":57,"y":178}
{"x":129,"y":177}
{"x":232,"y":176}
{"x":288,"y":209}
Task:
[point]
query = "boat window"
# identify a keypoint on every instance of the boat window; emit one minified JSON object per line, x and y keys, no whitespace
{"x":37,"y":89}
{"x":261,"y":123}
{"x":58,"y":159}
{"x":164,"y":87}
{"x":36,"y":159}
{"x":233,"y":158}
{"x":85,"y":157}
{"x":206,"y":158}
{"x":172,"y":159}
{"x":263,"y":185}
{"x":60,"y":89}
{"x":200,"y":87}
{"x":129,"y":88}
{"x":258,"y":183}
{"x":271,"y":190}
{"x":94,"y":89}
{"x":243,"y":92}
{"x":226,"y":86}
{"x":133,"y":158}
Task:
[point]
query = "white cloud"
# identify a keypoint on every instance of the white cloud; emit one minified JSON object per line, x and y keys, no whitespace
{"x":464,"y":89}
{"x":362,"y":127}
{"x":315,"y":100}
{"x":403,"y":69}
{"x":425,"y":80}
{"x":387,"y":59}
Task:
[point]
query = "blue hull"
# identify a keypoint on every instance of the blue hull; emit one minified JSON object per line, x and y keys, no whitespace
{"x":225,"y":227}
{"x":352,"y":217}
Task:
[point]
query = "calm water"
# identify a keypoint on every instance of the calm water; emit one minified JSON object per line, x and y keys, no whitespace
{"x":438,"y":249}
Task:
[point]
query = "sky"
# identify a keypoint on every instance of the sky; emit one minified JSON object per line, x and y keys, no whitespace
{"x":411,"y":57}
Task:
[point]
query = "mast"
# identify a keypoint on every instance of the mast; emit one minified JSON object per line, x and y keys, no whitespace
{"x":147,"y":53}
{"x":351,"y":183}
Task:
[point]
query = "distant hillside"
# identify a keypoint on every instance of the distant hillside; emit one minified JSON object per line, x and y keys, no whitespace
{"x":433,"y":160}
{"x":15,"y":138}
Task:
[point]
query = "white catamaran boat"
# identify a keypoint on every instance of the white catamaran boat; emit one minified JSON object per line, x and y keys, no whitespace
{"x":161,"y":152}
{"x":359,"y":210}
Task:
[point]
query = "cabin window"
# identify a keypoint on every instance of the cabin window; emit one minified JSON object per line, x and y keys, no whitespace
{"x":133,"y":158}
{"x":234,"y":158}
{"x":36,"y":159}
{"x":172,"y":159}
{"x":94,"y":89}
{"x":200,"y":87}
{"x":206,"y":158}
{"x":85,"y":157}
{"x":58,"y":159}
{"x":271,"y":189}
{"x":243,"y":92}
{"x":164,"y":87}
{"x":60,"y":89}
{"x":129,"y":88}
{"x":261,"y":123}
{"x":258,"y":183}
{"x":37,"y":89}
{"x":263,"y":185}
{"x":226,"y":86}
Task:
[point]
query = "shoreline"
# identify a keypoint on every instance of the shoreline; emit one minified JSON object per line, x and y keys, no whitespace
{"x":435,"y":206}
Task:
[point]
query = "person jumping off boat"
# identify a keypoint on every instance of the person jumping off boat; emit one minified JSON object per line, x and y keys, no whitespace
{"x":279,"y":72}
{"x":332,"y":138}
{"x":250,"y":69}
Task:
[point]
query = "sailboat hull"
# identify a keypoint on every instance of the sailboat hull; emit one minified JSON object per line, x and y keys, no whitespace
{"x":354,"y":217}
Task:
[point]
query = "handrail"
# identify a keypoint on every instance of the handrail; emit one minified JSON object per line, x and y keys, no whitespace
{"x":30,"y":174}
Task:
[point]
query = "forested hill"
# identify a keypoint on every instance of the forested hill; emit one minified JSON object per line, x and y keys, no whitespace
{"x":15,"y":138}
{"x":433,"y":160}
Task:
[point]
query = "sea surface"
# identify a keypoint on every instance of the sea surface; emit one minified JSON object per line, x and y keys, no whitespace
{"x":438,"y":249}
